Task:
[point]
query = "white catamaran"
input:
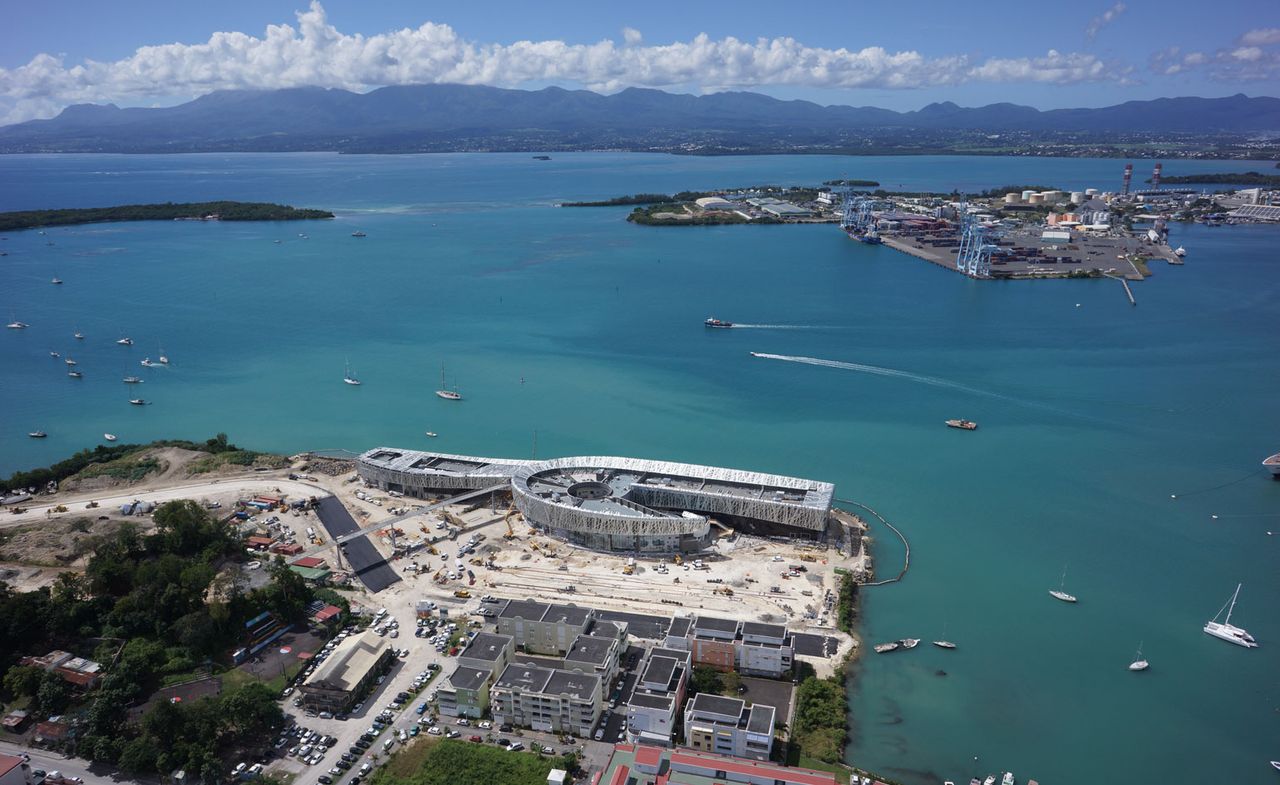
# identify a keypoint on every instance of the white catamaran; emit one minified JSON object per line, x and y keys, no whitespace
{"x":1228,"y":631}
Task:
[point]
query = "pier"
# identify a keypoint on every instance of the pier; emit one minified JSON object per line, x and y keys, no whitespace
{"x":1128,"y":292}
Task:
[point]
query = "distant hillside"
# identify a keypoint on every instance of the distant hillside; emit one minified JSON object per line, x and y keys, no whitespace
{"x":458,"y":117}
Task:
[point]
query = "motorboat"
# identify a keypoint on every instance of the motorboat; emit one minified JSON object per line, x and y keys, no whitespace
{"x":133,"y":380}
{"x":125,"y":341}
{"x":909,"y":643}
{"x":358,"y":233}
{"x":17,"y":325}
{"x":37,"y":434}
{"x":1007,"y":779}
{"x":54,"y":354}
{"x":111,"y":437}
{"x":146,"y":362}
{"x":137,"y":402}
{"x":1271,"y":463}
{"x":882,"y":648}
{"x":714,"y":322}
{"x":74,"y":374}
{"x":1275,"y":764}
{"x":1139,"y":664}
{"x":944,"y":644}
{"x":432,"y":434}
{"x":964,"y":425}
{"x":56,"y":280}
{"x":79,"y":336}
{"x":1060,"y":592}
{"x":1179,"y":251}
{"x":1228,"y":631}
{"x":69,"y":361}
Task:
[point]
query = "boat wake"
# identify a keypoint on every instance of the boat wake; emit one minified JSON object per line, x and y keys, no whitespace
{"x":918,"y":378}
{"x":738,"y":326}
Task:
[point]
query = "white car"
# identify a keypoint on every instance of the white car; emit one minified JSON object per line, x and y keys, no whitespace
{"x":485,"y":724}
{"x":434,"y":730}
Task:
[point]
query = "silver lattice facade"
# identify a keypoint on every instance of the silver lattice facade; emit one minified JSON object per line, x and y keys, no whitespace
{"x":616,"y":504}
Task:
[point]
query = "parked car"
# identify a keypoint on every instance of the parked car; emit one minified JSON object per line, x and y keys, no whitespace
{"x":516,"y":747}
{"x":485,"y":724}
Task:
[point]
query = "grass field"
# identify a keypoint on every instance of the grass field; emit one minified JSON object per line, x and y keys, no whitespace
{"x":452,"y":762}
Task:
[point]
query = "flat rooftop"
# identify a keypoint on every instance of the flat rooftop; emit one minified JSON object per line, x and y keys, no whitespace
{"x":487,"y":646}
{"x":464,"y":678}
{"x":760,"y":720}
{"x":764,"y":630}
{"x":659,"y":671}
{"x":680,"y":626}
{"x":590,"y":649}
{"x":524,"y":677}
{"x":715,"y":624}
{"x":706,"y":703}
{"x":649,"y":700}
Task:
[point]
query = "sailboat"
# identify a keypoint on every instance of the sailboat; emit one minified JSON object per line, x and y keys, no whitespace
{"x":56,"y":280}
{"x":944,"y":643}
{"x":1138,"y":663}
{"x":348,"y":377}
{"x":1058,"y":593}
{"x":79,"y":335}
{"x":1226,"y":630}
{"x":444,"y":391}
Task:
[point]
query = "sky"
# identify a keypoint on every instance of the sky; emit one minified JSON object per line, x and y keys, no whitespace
{"x":891,"y":54}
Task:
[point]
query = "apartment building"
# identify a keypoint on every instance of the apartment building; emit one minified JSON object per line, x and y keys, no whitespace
{"x":546,"y":699}
{"x":727,"y":726}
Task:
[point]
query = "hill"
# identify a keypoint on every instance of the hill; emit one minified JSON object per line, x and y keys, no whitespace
{"x":465,"y":117}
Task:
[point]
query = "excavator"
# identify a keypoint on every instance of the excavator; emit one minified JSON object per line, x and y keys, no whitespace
{"x":506,"y":519}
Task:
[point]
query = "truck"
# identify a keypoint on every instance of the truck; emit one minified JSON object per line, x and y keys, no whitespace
{"x":462,"y":594}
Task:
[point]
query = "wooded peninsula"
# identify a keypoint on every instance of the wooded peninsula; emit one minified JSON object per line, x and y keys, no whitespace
{"x":168,"y":211}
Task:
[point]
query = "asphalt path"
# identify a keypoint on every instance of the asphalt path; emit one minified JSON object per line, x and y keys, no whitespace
{"x":360,"y":554}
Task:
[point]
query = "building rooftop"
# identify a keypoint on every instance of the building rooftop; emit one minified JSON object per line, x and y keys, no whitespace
{"x":706,"y":703}
{"x":486,"y":646}
{"x":760,"y":720}
{"x":464,"y":678}
{"x":523,"y":609}
{"x":680,"y":626}
{"x":651,"y":700}
{"x":8,"y":763}
{"x":764,"y":630}
{"x":350,"y":661}
{"x":591,"y":649}
{"x":523,"y":677}
{"x":715,"y":624}
{"x":659,"y":671}
{"x":574,"y":615}
{"x":645,"y":765}
{"x":578,"y":685}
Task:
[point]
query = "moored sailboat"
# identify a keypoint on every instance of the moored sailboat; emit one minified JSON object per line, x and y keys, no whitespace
{"x":1139,"y":664}
{"x":1060,"y":593}
{"x":1228,"y":631}
{"x":444,"y":392}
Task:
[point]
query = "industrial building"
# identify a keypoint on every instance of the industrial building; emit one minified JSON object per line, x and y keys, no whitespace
{"x":348,"y":674}
{"x":727,"y":726}
{"x":617,"y":504}
{"x":641,"y":764}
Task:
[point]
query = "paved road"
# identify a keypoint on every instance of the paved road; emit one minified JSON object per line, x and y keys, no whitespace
{"x":69,"y":767}
{"x":814,"y":645}
{"x":360,"y":554}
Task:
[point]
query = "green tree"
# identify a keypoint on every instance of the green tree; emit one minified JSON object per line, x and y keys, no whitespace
{"x":705,"y":679}
{"x":53,"y":695}
{"x":730,"y":682}
{"x":139,"y":756}
{"x":22,"y":681}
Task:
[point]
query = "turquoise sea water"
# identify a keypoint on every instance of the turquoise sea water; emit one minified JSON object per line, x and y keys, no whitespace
{"x":1092,"y":412}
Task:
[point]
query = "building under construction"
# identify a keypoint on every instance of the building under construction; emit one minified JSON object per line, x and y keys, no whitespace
{"x":617,"y":504}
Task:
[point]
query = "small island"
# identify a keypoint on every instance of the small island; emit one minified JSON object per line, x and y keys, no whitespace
{"x":168,"y":211}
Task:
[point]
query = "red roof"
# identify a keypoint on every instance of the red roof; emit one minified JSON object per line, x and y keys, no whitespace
{"x":619,"y":776}
{"x":260,"y":541}
{"x":327,"y":612}
{"x":76,"y":677}
{"x":742,"y":766}
{"x":648,"y":756}
{"x":8,"y":763}
{"x":288,"y":549}
{"x":309,"y":561}
{"x":52,"y":730}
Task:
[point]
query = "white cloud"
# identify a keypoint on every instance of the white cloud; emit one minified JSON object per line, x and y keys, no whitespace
{"x":1105,"y":18}
{"x":1261,"y":37}
{"x":1250,"y":54}
{"x":315,"y":53}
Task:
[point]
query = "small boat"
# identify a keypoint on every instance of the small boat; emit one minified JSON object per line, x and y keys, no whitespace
{"x":909,"y":643}
{"x":444,"y":391}
{"x":432,"y":434}
{"x":277,"y":242}
{"x":146,"y":362}
{"x":1138,"y":663}
{"x":137,"y":402}
{"x":79,"y":336}
{"x":1271,"y":463}
{"x":1179,"y":251}
{"x":990,"y":780}
{"x":111,"y":437}
{"x":944,"y":644}
{"x":713,"y":322}
{"x":133,"y":380}
{"x":882,"y":648}
{"x":1228,"y":631}
{"x":56,"y":280}
{"x":1275,"y":764}
{"x":163,"y":359}
{"x":964,"y":425}
{"x":1007,"y":779}
{"x":1059,"y":593}
{"x":358,"y":233}
{"x":350,"y":378}
{"x":74,"y":374}
{"x":125,"y":342}
{"x":17,"y":325}
{"x":69,"y":361}
{"x":542,"y":158}
{"x":54,"y":354}
{"x":37,"y":434}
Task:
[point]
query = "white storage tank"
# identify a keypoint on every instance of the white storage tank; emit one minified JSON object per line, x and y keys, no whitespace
{"x":1026,"y":195}
{"x":1077,"y":197}
{"x":1091,"y":192}
{"x":1012,"y":198}
{"x":1035,"y":199}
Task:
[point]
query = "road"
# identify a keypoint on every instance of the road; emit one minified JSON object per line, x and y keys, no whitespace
{"x":69,"y":767}
{"x":363,"y":559}
{"x":241,"y":487}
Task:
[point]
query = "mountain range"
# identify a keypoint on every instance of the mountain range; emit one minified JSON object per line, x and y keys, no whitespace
{"x":464,"y":117}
